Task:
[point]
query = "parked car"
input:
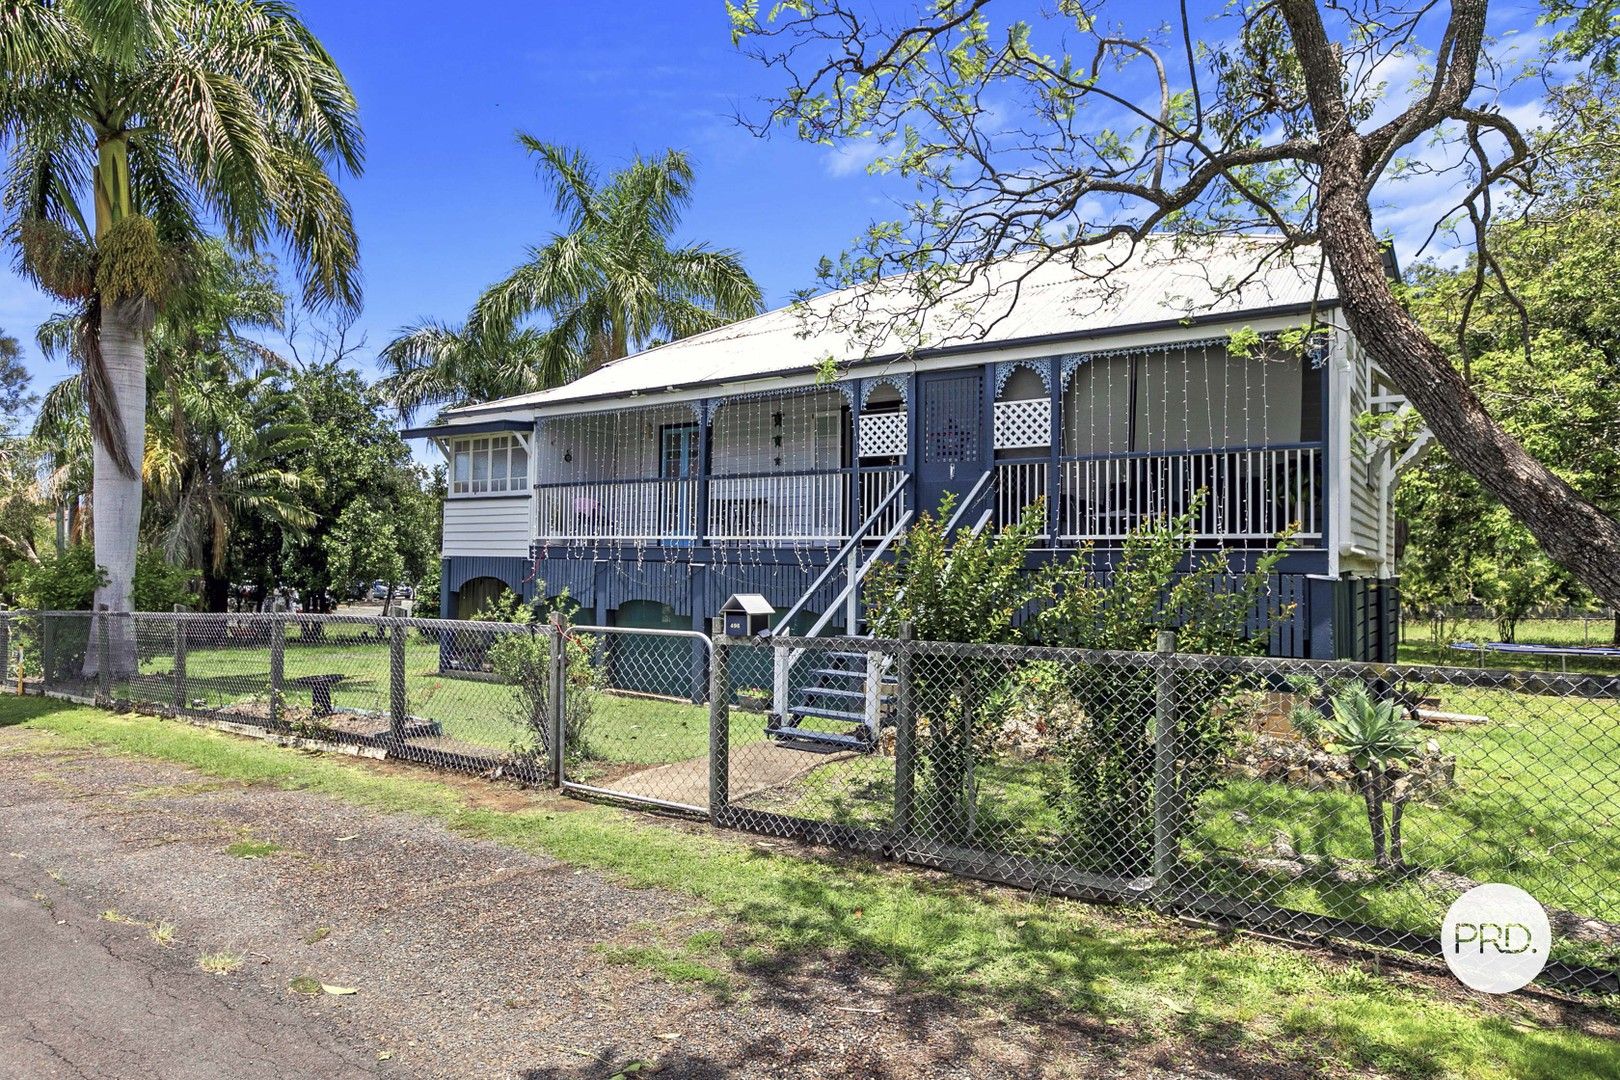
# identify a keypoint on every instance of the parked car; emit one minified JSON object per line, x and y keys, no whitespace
{"x":379,"y":590}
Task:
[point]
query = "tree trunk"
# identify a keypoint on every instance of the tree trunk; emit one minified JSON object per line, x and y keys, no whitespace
{"x":1375,"y":814}
{"x":1399,"y":792}
{"x":116,"y":500}
{"x":1575,"y":534}
{"x":216,"y":593}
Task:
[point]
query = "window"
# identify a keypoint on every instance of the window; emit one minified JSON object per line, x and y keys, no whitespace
{"x":488,"y":465}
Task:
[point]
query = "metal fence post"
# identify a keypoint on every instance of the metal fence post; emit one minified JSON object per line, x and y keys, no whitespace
{"x":179,"y":658}
{"x":397,"y":709}
{"x":278,"y":665}
{"x":557,"y":696}
{"x":46,"y":634}
{"x":905,"y":733}
{"x":1164,"y":762}
{"x":719,"y":723}
{"x":103,"y":653}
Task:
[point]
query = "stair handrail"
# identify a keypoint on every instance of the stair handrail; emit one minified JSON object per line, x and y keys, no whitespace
{"x":835,"y":563}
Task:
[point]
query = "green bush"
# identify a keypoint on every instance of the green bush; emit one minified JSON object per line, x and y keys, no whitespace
{"x":523,"y":661}
{"x":1108,"y":743}
{"x":67,"y":581}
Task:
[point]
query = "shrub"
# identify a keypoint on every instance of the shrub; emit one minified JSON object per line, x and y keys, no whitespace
{"x":1109,"y":744}
{"x":1379,"y":737}
{"x":523,"y":660}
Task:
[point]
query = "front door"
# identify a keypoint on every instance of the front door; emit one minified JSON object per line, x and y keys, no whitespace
{"x":951,"y":457}
{"x":678,"y":460}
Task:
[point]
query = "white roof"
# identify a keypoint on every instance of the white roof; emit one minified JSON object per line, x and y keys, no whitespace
{"x":748,"y":603}
{"x":1164,"y":280}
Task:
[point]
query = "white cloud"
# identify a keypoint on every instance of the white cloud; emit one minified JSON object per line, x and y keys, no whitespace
{"x":852,"y":157}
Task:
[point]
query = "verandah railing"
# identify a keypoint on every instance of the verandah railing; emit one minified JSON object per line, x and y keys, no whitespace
{"x":1240,"y":494}
{"x":631,"y":510}
{"x":781,"y":506}
{"x":1245,"y":494}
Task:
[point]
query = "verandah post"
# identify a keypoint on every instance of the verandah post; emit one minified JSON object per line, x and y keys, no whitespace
{"x":905,"y":733}
{"x":557,"y":697}
{"x":1164,"y":762}
{"x":719,"y":723}
{"x":179,"y":657}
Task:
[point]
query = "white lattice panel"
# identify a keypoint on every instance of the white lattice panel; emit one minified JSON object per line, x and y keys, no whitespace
{"x":883,"y":434}
{"x":1023,"y":424}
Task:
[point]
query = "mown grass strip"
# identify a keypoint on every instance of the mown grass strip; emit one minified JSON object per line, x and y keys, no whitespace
{"x":1142,"y":977}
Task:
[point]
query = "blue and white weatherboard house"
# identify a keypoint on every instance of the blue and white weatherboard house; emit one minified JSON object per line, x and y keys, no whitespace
{"x":656,"y":487}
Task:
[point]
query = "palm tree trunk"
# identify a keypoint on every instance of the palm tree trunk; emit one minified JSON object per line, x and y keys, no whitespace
{"x":116,"y":504}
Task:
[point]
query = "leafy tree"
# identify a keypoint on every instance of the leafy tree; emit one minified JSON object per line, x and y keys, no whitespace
{"x":362,"y":546}
{"x":1084,"y":133}
{"x":130,"y":127}
{"x":217,"y":412}
{"x":613,"y":283}
{"x":349,"y":453}
{"x":1107,"y":739}
{"x":67,"y":580}
{"x":976,"y":588}
{"x":15,"y":396}
{"x":431,"y":364}
{"x":1545,"y":359}
{"x":971,"y":588}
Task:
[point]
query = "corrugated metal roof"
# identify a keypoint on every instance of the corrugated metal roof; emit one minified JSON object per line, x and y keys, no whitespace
{"x":1162,"y":280}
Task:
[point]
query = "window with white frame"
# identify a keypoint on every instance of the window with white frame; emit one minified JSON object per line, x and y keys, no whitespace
{"x":488,"y":465}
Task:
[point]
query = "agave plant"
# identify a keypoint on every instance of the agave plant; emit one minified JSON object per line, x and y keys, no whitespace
{"x":1379,"y":737}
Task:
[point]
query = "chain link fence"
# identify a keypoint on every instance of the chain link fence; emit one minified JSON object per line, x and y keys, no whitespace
{"x":476,"y":697}
{"x":1343,"y":800}
{"x":1307,"y":799}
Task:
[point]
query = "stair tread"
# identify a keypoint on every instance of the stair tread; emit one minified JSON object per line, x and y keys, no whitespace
{"x":827,"y":714}
{"x":833,"y":691}
{"x":847,"y":674}
{"x":820,"y":741}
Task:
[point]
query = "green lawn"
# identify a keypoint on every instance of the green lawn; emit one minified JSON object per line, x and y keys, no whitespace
{"x":1136,"y":977}
{"x":1418,"y":646}
{"x":624,"y":729}
{"x":1536,"y":803}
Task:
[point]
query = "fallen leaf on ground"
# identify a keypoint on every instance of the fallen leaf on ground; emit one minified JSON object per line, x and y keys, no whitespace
{"x":339,"y":991}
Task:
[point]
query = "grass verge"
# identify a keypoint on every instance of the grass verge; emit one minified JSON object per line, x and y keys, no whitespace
{"x":1133,"y":976}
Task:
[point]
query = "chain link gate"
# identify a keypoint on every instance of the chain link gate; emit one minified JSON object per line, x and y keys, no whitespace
{"x":637,"y":716}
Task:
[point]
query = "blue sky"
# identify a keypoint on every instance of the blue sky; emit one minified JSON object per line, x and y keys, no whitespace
{"x":448,"y":201}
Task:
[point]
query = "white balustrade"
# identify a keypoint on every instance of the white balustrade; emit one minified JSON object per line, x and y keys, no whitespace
{"x":875,"y":487}
{"x":1018,"y":484}
{"x":1236,"y":494}
{"x":778,"y":506}
{"x":618,"y":510}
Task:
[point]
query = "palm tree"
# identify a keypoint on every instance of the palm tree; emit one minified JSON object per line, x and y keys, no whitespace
{"x":128,"y":124}
{"x":434,"y":364}
{"x":611,"y":284}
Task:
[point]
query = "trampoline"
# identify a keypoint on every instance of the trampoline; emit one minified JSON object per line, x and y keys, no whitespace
{"x":1561,"y":652}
